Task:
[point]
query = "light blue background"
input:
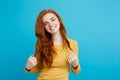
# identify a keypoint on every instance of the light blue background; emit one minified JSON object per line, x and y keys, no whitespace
{"x":95,"y":24}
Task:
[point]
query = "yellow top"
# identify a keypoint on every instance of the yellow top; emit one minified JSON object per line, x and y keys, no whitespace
{"x":60,"y":68}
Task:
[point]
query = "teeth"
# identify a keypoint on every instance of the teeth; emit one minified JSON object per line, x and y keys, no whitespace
{"x":51,"y":28}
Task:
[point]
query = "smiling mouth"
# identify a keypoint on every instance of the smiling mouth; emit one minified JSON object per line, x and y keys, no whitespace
{"x":52,"y":29}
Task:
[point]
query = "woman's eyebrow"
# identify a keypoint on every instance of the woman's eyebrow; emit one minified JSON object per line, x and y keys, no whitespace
{"x":45,"y":22}
{"x":52,"y":18}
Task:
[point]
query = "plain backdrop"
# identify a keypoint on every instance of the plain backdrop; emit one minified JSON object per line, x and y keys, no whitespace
{"x":95,"y":24}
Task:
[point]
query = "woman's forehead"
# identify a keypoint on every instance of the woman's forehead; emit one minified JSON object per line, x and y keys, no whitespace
{"x":49,"y":16}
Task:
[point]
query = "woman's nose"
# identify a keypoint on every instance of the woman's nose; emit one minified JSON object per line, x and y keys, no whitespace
{"x":51,"y":24}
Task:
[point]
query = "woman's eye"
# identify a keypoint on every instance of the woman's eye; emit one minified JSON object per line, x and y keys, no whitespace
{"x":53,"y":19}
{"x":45,"y":24}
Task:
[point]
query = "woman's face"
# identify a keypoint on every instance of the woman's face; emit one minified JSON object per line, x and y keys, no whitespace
{"x":51,"y":23}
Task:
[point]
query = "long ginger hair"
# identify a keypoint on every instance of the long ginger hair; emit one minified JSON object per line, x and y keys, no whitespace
{"x":44,"y":50}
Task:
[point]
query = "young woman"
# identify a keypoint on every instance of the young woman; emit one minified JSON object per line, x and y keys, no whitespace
{"x":54,"y":52}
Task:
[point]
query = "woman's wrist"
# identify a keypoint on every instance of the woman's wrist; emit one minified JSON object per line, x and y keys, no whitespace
{"x":75,"y":67}
{"x":27,"y":69}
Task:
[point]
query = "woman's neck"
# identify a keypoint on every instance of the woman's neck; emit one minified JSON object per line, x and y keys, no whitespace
{"x":57,"y":38}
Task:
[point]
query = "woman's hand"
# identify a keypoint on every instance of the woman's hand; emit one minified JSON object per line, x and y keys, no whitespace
{"x":31,"y":62}
{"x":73,"y":59}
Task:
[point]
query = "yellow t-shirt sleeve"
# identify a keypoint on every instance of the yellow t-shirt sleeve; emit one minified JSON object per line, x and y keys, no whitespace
{"x":74,"y":46}
{"x":35,"y":69}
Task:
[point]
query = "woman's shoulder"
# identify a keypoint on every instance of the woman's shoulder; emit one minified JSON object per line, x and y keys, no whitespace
{"x":72,"y":40}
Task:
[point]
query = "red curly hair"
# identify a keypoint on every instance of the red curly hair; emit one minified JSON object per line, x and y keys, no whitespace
{"x":44,"y":51}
